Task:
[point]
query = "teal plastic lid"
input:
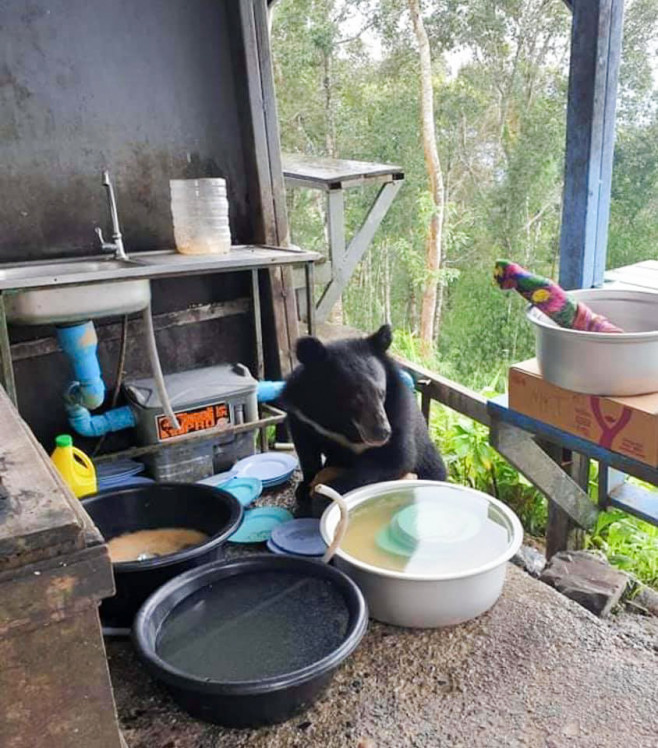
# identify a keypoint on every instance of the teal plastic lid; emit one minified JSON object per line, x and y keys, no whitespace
{"x":258,"y":524}
{"x":64,"y":440}
{"x":425,"y":527}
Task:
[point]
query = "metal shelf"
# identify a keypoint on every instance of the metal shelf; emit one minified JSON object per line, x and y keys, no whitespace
{"x":270,"y":416}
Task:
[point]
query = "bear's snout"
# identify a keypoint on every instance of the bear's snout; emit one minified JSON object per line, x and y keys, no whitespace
{"x":374,"y":432}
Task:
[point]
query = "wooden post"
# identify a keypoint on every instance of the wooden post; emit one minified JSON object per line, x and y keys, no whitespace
{"x":562,"y":533}
{"x":270,"y":219}
{"x":595,"y":56}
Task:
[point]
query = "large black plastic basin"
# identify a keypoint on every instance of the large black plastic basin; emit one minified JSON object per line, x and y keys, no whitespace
{"x":159,"y":505}
{"x":292,"y":622}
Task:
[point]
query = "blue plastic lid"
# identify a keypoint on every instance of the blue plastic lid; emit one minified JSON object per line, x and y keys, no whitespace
{"x":268,"y":391}
{"x":274,"y":548}
{"x":258,"y":524}
{"x":300,"y":537}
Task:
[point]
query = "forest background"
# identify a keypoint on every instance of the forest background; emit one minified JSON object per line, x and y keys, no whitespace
{"x":352,"y":77}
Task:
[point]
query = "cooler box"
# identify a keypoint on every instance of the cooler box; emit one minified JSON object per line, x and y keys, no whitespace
{"x":202,"y":399}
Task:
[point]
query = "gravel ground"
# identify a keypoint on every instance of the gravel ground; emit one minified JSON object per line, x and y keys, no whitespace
{"x":537,"y":670}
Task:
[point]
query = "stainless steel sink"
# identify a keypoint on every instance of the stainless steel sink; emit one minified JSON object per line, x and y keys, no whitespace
{"x":56,"y":297}
{"x":56,"y":270}
{"x":73,"y":290}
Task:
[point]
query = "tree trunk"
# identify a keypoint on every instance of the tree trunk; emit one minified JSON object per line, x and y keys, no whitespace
{"x":387,"y":285}
{"x":435,"y":178}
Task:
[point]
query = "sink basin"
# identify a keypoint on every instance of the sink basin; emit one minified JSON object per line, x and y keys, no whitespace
{"x":54,"y":272}
{"x":61,"y":301}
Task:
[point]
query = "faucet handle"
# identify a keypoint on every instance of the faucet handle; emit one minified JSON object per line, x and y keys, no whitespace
{"x":106,"y":246}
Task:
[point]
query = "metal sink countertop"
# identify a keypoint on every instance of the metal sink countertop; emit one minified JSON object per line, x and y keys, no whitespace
{"x":143,"y":265}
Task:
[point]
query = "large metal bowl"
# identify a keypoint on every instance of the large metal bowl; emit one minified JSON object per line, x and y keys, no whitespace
{"x":438,"y":597}
{"x":595,"y":363}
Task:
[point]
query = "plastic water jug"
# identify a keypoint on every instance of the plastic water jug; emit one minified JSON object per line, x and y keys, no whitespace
{"x":74,"y":466}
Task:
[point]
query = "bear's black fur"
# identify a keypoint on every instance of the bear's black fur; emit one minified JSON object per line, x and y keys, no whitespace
{"x":347,"y":403}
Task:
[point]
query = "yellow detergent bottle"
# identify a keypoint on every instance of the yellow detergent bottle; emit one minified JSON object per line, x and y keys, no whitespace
{"x":74,"y":466}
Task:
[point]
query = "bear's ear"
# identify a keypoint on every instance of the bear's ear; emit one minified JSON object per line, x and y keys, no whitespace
{"x":310,"y":351}
{"x":382,"y":339}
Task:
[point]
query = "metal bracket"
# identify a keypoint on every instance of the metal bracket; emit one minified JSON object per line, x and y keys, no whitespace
{"x":345,"y":259}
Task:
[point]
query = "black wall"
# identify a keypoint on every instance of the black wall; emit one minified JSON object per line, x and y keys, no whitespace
{"x":150,"y":90}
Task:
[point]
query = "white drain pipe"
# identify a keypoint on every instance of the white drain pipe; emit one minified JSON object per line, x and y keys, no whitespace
{"x":156,"y":369}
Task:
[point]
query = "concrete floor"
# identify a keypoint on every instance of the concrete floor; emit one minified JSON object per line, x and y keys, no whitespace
{"x":537,"y":670}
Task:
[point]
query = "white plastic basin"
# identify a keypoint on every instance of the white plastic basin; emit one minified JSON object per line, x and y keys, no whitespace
{"x":458,"y":542}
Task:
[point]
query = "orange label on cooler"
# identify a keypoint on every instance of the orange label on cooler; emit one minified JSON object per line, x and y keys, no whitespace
{"x":199,"y":419}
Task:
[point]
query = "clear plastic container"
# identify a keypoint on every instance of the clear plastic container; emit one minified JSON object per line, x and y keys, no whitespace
{"x":199,"y":208}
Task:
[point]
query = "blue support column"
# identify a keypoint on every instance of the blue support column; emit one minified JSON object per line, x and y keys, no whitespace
{"x":596,"y":35}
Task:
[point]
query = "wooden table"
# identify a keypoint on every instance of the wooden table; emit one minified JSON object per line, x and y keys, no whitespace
{"x":333,"y":176}
{"x":54,"y":570}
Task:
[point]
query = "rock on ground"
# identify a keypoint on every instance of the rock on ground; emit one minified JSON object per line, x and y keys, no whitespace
{"x":647,"y":598}
{"x":586,"y":578}
{"x":530,"y":559}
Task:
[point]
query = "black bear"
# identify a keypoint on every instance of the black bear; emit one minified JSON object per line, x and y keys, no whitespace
{"x":348,"y":404}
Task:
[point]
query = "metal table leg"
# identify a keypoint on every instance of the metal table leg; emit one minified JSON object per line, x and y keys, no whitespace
{"x":310,"y":302}
{"x":8,"y":381}
{"x":260,"y":357}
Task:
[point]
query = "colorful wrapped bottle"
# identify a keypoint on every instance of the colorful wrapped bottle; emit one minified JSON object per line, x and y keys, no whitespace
{"x":550,"y":299}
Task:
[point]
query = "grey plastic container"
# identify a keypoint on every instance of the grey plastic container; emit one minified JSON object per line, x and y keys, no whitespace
{"x":202,"y":399}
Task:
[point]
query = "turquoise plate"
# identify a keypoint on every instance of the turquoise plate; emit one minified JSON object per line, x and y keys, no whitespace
{"x":245,"y":490}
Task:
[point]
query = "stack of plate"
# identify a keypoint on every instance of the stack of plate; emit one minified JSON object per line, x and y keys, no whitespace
{"x":271,"y":469}
{"x":119,"y":474}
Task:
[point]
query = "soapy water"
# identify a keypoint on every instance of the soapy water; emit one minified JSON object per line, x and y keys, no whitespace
{"x":422,"y":530}
{"x":144,"y":544}
{"x":254,"y":626}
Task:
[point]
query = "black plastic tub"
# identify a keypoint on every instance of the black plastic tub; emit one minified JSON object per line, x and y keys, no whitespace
{"x":150,"y":507}
{"x":303,"y":608}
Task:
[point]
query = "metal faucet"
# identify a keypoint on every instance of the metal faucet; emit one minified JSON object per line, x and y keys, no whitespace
{"x":116,"y":245}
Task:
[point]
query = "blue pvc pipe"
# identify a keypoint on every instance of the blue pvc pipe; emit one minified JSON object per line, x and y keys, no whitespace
{"x":267,"y":392}
{"x":85,"y":424}
{"x":80,"y":344}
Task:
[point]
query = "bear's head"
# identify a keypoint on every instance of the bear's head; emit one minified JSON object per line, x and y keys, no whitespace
{"x":340,"y":389}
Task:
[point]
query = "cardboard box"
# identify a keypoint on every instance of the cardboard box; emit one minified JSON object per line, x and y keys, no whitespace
{"x":627,"y":425}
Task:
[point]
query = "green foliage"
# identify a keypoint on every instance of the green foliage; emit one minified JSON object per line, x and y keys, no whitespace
{"x":347,"y":81}
{"x":629,"y":543}
{"x":473,"y":462}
